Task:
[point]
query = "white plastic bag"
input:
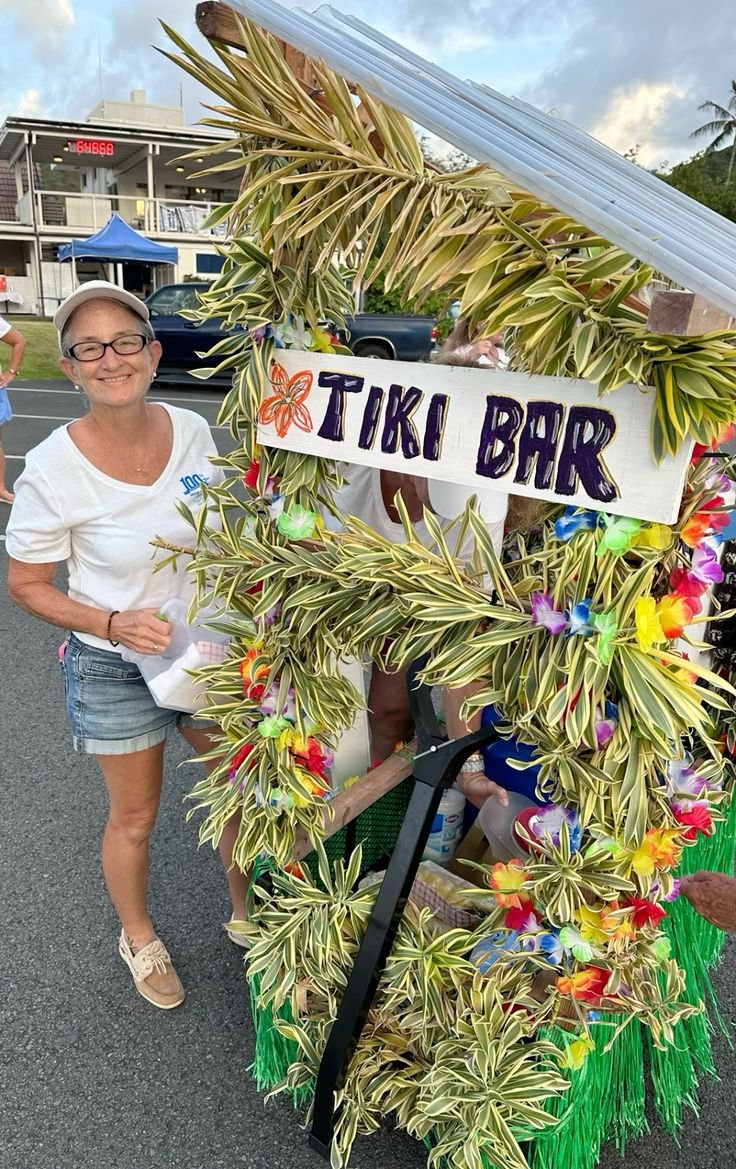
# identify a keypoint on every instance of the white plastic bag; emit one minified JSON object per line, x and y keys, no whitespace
{"x":191,"y":646}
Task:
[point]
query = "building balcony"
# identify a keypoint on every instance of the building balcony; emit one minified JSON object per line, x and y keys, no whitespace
{"x":68,"y":213}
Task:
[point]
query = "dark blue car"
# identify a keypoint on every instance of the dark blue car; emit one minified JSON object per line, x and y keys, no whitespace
{"x":402,"y":337}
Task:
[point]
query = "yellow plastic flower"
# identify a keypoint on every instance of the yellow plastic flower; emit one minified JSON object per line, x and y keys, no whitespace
{"x":649,"y":632}
{"x":591,"y":927}
{"x":576,"y":1053}
{"x":289,"y":738}
{"x":506,"y":880}
{"x":656,"y":536}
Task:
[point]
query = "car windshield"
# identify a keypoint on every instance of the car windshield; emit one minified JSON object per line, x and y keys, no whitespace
{"x":173,"y":299}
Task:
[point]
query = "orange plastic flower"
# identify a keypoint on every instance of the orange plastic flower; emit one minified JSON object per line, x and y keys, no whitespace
{"x":674,"y":613}
{"x":506,"y":880}
{"x":695,"y":529}
{"x":250,"y":673}
{"x":587,"y":985}
{"x":657,"y":850}
{"x":286,"y":406}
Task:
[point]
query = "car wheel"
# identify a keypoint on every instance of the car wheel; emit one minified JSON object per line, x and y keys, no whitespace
{"x":374,"y":349}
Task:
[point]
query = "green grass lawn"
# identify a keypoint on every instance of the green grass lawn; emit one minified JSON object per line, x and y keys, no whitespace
{"x":41,"y":358}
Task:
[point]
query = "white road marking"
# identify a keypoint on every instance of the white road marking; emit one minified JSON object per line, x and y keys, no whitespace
{"x":49,"y":417}
{"x":184,"y":395}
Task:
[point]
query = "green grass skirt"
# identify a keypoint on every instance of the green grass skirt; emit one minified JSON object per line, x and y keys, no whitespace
{"x":607,"y":1098}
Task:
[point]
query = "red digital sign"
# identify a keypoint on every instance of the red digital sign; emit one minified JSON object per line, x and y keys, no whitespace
{"x":99,"y":146}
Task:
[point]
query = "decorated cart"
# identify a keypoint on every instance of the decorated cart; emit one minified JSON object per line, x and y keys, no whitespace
{"x":517,"y":1036}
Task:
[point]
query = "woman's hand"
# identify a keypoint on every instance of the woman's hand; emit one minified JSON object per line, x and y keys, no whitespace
{"x":141,"y":630}
{"x":477,"y":788}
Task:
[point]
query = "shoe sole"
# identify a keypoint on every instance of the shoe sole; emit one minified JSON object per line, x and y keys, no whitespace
{"x":154,"y":1003}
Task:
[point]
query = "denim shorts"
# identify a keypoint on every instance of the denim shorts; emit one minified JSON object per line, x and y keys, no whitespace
{"x":109,"y":707}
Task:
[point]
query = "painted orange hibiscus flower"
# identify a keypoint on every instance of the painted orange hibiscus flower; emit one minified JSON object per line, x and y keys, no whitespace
{"x":286,"y":405}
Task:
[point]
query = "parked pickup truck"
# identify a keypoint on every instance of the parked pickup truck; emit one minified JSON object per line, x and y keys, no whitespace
{"x":403,"y":338}
{"x":399,"y":337}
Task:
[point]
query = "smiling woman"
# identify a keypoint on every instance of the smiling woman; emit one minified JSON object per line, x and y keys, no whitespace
{"x":93,"y":494}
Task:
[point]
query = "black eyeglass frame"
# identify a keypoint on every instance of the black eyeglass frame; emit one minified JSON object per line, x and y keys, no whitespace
{"x":109,"y":345}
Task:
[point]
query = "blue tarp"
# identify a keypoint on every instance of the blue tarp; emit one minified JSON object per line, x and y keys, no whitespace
{"x":117,"y":240}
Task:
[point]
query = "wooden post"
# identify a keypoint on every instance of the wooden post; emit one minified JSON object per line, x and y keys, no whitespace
{"x":685,"y":314}
{"x":359,"y":796}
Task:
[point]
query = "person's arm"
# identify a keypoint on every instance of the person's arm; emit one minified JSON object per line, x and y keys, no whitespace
{"x":475,"y":785}
{"x":18,"y":344}
{"x":32,"y":588}
{"x":713,"y":896}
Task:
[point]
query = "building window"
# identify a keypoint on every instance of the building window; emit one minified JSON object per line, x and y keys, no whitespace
{"x":209,"y":265}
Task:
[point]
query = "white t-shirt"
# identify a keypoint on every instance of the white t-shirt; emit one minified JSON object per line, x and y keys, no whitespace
{"x":66,"y":509}
{"x":4,"y":327}
{"x":361,"y":497}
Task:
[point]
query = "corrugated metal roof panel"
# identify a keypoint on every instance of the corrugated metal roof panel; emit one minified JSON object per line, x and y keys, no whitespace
{"x":543,"y":154}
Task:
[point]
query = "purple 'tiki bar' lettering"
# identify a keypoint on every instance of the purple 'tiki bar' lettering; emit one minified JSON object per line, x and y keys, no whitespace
{"x":339,"y":385}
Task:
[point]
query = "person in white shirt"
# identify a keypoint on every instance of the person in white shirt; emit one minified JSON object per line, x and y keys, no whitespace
{"x":17,"y":342}
{"x":93,"y":495}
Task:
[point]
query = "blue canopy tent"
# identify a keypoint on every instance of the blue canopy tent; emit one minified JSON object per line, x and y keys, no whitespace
{"x":117,"y":240}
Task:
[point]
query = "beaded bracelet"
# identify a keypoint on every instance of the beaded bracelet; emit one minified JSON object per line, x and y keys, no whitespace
{"x":109,"y":627}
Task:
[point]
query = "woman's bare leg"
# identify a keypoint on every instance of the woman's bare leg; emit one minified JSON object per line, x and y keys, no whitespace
{"x":134,"y":789}
{"x":389,"y":716}
{"x":4,"y":493}
{"x":237,"y":881}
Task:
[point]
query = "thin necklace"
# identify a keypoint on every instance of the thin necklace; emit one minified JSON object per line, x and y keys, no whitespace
{"x":138,"y":470}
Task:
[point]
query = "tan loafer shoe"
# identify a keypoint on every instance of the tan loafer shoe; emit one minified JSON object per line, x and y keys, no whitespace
{"x":238,"y":932}
{"x":153,"y":973}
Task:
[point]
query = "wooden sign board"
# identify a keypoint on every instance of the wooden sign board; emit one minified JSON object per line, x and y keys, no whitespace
{"x":548,"y":437}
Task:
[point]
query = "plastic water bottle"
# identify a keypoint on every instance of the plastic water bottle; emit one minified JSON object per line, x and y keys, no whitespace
{"x":447,"y":828}
{"x":497,"y":823}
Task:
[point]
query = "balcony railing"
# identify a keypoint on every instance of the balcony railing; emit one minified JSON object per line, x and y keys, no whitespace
{"x":86,"y":213}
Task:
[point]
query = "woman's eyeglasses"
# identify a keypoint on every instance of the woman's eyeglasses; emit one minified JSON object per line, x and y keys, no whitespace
{"x":123,"y":346}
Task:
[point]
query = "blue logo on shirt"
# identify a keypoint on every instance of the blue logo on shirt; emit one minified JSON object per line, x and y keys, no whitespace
{"x":193,"y":483}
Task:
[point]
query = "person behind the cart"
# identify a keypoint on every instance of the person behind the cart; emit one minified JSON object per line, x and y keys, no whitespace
{"x":369,"y":495}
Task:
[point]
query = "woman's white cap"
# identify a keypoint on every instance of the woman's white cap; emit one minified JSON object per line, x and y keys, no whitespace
{"x":98,"y":290}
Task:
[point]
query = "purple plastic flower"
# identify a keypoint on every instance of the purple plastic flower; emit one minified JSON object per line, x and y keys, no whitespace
{"x":579,"y":619}
{"x":674,"y":892}
{"x":269,"y":700}
{"x":573,"y":520}
{"x":544,"y":613}
{"x":546,"y":824}
{"x":682,"y":781}
{"x":705,"y":567}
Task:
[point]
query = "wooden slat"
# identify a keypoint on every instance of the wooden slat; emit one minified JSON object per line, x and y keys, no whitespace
{"x":359,"y":796}
{"x":218,"y":22}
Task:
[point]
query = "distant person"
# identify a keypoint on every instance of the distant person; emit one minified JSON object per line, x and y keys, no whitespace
{"x":92,"y":496}
{"x":17,"y":342}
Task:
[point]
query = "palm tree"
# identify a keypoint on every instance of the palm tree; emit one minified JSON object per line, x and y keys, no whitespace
{"x":723,"y":126}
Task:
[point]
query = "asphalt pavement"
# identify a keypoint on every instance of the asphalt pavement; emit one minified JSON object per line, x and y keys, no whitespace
{"x":93,"y":1077}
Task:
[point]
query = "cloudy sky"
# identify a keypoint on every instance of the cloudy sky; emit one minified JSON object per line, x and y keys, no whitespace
{"x":631,"y":72}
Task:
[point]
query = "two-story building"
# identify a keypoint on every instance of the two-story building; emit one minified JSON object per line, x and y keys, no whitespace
{"x":62,"y":180}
